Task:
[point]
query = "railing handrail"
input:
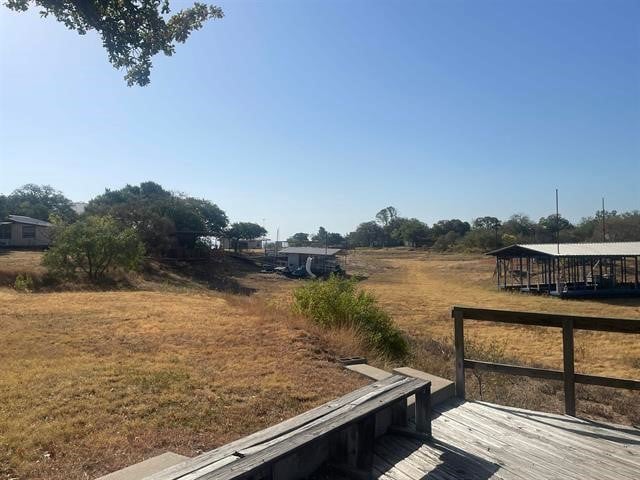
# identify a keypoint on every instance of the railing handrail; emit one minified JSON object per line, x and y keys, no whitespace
{"x":568,"y":323}
{"x":580,"y":322}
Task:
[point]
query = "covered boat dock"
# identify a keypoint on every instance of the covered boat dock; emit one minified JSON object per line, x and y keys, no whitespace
{"x":570,"y":269}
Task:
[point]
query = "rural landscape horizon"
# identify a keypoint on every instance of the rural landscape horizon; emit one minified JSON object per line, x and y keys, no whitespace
{"x":441,"y":109}
{"x":304,"y":240}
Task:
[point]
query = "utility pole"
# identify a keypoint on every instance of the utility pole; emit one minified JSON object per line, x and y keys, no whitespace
{"x":604,"y":228}
{"x":557,"y":223}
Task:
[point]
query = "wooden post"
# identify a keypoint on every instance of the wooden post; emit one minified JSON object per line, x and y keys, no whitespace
{"x":423,"y":410}
{"x":399,"y":413}
{"x":600,"y":271}
{"x":521,"y":279}
{"x":366,"y":438}
{"x":636,"y":272}
{"x":458,"y":341}
{"x":529,"y":274}
{"x":506,"y":270}
{"x":569,"y":373}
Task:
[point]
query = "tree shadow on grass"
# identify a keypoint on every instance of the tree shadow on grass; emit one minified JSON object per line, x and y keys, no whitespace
{"x":220,"y":274}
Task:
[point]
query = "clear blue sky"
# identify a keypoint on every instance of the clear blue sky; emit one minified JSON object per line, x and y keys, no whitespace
{"x":309,"y":113}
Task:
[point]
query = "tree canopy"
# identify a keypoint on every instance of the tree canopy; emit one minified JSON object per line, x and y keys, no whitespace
{"x":386,"y":215}
{"x":299,"y":239}
{"x":489,"y":232}
{"x":367,"y":234}
{"x":163,"y":219}
{"x":244,"y":230}
{"x":94,"y":246}
{"x":323,"y":237}
{"x":411,"y":232}
{"x":37,"y":201}
{"x":132,"y":31}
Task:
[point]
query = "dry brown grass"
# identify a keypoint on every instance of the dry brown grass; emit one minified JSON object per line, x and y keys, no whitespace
{"x":14,"y":263}
{"x":418,"y":289}
{"x":95,"y":381}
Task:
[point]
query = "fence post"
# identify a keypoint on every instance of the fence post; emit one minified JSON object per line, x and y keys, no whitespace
{"x":569,"y":372}
{"x":423,"y":410}
{"x":458,"y":340}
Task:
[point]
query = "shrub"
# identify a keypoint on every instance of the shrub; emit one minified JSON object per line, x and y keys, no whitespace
{"x":23,"y":283}
{"x":93,"y":246}
{"x":337,"y":303}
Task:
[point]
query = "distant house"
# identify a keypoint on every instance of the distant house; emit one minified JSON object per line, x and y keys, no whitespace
{"x":322,"y":259}
{"x":20,"y":231}
{"x":243,"y":243}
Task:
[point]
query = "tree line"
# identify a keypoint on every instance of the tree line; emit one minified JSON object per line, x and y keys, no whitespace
{"x":119,"y":226}
{"x":389,"y":229}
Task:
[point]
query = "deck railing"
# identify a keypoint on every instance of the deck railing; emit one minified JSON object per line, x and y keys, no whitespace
{"x":568,"y":323}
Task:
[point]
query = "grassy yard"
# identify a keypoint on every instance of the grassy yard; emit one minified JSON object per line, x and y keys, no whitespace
{"x":94,"y":381}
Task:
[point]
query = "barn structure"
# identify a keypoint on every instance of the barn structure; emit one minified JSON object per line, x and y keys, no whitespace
{"x":570,"y":269}
{"x":323,"y":260}
{"x":24,"y":232}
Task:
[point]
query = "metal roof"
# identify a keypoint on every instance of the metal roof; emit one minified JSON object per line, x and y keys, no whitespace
{"x":29,"y":221}
{"x":606,"y":249}
{"x":311,"y":250}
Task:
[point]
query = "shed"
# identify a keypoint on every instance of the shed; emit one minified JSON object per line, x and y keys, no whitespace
{"x":570,"y":269}
{"x":323,"y":259}
{"x":21,"y":231}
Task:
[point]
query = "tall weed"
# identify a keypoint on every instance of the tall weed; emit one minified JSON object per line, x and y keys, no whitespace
{"x":338,"y":303}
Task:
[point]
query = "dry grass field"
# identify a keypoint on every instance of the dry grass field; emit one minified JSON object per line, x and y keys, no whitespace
{"x":15,"y":263}
{"x":419,"y":288}
{"x":94,"y":381}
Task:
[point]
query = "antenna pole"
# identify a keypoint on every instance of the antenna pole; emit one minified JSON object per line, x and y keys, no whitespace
{"x":557,"y":223}
{"x":604,"y":228}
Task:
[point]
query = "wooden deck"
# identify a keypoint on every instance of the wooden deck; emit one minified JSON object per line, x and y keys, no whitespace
{"x":478,"y":441}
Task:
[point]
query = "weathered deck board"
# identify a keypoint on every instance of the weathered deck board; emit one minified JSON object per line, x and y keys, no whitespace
{"x":481,"y":441}
{"x":211,"y":460}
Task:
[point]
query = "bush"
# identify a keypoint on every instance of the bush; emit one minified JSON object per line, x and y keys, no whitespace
{"x":24,"y":283}
{"x":337,"y":303}
{"x":94,"y":246}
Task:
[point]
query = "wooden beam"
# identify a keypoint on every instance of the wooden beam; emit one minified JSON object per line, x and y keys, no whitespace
{"x":514,"y":370}
{"x":598,"y":324}
{"x":607,"y":381}
{"x":549,"y":374}
{"x":458,"y":339}
{"x":569,"y":372}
